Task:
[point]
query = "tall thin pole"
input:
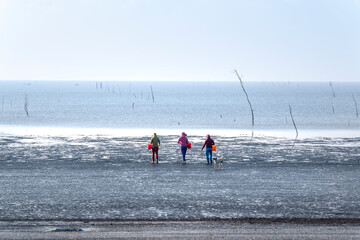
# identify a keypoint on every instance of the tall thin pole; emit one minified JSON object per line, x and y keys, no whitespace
{"x":247,"y":97}
{"x":292,"y":118}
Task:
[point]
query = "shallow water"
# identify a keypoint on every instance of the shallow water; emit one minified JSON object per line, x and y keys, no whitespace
{"x":180,"y":105}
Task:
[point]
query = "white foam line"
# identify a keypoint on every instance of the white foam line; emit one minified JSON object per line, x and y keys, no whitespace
{"x":138,"y":132}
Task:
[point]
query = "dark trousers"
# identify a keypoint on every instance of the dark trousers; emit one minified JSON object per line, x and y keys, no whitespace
{"x":208,"y":155}
{"x":155,"y":151}
{"x":183,"y":151}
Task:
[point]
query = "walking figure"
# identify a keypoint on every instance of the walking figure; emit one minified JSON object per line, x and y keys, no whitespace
{"x":183,"y":141}
{"x":209,"y":145}
{"x":155,"y":141}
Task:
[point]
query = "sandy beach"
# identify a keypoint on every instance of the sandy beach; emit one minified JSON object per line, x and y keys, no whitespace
{"x":184,"y":229}
{"x":106,"y":187}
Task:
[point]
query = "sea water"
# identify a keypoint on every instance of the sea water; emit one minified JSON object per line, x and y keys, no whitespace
{"x":180,"y":105}
{"x":81,"y":152}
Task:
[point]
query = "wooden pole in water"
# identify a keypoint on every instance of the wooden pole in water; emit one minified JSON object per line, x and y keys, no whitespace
{"x":26,"y":104}
{"x":292,"y":118}
{"x":247,"y":97}
{"x":333,"y":93}
{"x":152,"y":94}
{"x":356,"y":107}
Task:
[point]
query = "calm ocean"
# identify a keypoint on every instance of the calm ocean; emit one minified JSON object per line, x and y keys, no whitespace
{"x":180,"y":105}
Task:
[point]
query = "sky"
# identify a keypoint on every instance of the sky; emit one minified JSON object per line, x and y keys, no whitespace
{"x":184,"y":40}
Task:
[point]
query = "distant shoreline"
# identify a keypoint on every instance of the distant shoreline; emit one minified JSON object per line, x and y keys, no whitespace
{"x":21,"y":130}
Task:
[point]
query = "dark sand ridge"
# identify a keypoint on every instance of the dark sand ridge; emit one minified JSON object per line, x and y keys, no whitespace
{"x":295,"y":228}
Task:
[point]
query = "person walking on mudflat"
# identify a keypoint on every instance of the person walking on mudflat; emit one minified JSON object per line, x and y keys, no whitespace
{"x":155,"y":141}
{"x":208,"y":143}
{"x":183,"y":141}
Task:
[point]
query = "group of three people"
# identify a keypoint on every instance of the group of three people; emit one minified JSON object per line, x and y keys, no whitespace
{"x":184,"y":143}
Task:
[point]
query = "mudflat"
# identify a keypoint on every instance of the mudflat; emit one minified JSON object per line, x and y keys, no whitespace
{"x":183,"y":229}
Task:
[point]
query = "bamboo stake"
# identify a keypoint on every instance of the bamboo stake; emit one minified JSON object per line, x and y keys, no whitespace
{"x":26,"y":104}
{"x":292,"y":118}
{"x":333,"y":92}
{"x":152,"y":94}
{"x":356,"y":107}
{"x":247,"y":97}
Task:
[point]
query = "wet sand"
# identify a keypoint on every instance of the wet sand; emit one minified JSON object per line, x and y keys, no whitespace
{"x":107,"y":188}
{"x":183,"y":229}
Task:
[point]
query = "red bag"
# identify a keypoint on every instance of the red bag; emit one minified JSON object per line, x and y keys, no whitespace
{"x":189,"y":145}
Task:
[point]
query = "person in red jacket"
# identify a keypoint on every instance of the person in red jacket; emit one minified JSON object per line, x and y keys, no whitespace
{"x":183,"y":141}
{"x":208,"y":144}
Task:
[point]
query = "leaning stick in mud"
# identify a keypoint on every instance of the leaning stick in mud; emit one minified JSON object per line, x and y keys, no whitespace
{"x":333,"y":92}
{"x":26,"y":104}
{"x":356,"y":107}
{"x":247,"y":97}
{"x":152,"y":94}
{"x":292,"y":118}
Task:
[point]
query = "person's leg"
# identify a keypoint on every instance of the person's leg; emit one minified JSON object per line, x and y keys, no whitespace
{"x":153,"y":153}
{"x":157,"y":154}
{"x":207,"y":155}
{"x":183,"y":151}
{"x":210,"y":153}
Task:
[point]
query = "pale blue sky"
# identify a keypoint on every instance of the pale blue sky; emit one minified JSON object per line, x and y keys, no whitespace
{"x":185,"y":40}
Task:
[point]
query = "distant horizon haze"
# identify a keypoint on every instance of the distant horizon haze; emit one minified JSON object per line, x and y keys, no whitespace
{"x":158,"y":40}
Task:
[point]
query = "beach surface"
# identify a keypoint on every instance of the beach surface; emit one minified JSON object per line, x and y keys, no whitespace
{"x":106,"y":177}
{"x":106,"y":186}
{"x":182,"y":229}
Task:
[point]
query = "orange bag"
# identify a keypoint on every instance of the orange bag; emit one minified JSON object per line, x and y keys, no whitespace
{"x":214,"y":148}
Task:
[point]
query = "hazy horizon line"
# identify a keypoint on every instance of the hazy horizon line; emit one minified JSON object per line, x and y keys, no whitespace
{"x":235,"y":80}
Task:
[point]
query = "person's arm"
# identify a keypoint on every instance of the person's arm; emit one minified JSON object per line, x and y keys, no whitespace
{"x":203,"y":145}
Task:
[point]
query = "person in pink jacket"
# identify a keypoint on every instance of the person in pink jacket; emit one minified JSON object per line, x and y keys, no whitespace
{"x":183,"y":141}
